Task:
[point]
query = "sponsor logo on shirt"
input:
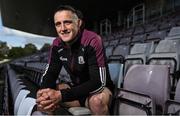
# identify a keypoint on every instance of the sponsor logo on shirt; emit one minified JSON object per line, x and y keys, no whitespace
{"x":63,"y":59}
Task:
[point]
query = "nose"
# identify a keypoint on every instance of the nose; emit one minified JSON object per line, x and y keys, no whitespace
{"x":63,"y":27}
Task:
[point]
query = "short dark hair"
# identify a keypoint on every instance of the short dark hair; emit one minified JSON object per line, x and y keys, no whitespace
{"x":70,"y":8}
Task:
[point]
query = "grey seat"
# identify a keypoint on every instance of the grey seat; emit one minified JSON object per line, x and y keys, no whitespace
{"x":174,"y":33}
{"x":152,"y":80}
{"x":138,"y":54}
{"x":167,"y":53}
{"x":115,"y":65}
{"x":109,"y":51}
{"x":20,"y":98}
{"x":121,"y":50}
{"x":132,"y":103}
{"x":26,"y":106}
{"x":172,"y":107}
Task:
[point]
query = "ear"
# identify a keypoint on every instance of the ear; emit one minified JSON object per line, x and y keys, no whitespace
{"x":79,"y":23}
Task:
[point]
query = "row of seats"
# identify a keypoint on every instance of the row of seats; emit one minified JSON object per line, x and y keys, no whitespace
{"x":157,"y":28}
{"x":165,"y":52}
{"x":23,"y":103}
{"x":154,"y":76}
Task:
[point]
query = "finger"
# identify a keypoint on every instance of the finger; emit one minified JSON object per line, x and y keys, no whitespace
{"x":50,"y":107}
{"x":40,"y":92}
{"x":40,"y":99}
{"x":46,"y":102}
{"x":45,"y":95}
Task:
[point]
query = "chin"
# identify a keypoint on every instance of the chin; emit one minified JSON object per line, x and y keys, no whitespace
{"x":66,"y":39}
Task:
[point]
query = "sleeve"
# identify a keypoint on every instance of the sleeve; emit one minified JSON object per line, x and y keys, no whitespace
{"x":97,"y":73}
{"x":52,"y":70}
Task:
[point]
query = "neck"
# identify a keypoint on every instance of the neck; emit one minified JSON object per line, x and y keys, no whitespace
{"x":72,"y":41}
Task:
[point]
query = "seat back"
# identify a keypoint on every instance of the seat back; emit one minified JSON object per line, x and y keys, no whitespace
{"x":20,"y":98}
{"x":174,"y":33}
{"x":26,"y":106}
{"x":172,"y":107}
{"x":64,"y":76}
{"x":138,"y":55}
{"x":121,"y":50}
{"x":167,"y":53}
{"x":152,"y":80}
{"x":177,"y":92}
{"x":116,"y":70}
{"x":109,"y":51}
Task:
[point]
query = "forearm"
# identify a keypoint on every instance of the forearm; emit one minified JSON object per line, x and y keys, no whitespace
{"x":83,"y":90}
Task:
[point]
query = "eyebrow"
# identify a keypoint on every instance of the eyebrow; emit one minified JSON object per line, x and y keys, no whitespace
{"x":65,"y":21}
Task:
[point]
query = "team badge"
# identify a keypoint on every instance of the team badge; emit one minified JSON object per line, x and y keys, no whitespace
{"x":81,"y":60}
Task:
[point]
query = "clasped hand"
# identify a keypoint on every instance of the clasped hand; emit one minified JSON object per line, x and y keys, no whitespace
{"x":48,"y":100}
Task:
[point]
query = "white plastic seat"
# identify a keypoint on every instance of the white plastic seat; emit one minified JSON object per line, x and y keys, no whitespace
{"x":79,"y":111}
{"x":20,"y":98}
{"x":26,"y":106}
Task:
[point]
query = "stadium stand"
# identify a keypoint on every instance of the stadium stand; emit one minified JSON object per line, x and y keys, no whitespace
{"x":143,"y":61}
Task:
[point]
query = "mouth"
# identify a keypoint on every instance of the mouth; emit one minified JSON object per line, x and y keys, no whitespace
{"x":65,"y":32}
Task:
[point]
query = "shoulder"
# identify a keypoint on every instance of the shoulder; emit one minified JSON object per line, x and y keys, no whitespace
{"x":91,"y":38}
{"x":56,"y":42}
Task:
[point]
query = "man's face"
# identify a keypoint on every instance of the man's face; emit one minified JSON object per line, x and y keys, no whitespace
{"x":67,"y":25}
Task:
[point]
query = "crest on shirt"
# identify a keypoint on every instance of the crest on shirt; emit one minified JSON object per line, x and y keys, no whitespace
{"x":81,"y":60}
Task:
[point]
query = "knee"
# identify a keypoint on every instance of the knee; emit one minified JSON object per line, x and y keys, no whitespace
{"x":96,"y":101}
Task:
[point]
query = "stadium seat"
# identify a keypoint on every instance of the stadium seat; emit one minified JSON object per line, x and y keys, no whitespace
{"x":20,"y":98}
{"x":121,"y":50}
{"x":138,"y":55}
{"x":132,"y":103}
{"x":151,"y":80}
{"x":64,"y":76}
{"x":113,"y":42}
{"x":174,"y":33}
{"x":109,"y":50}
{"x":172,"y":107}
{"x":79,"y":111}
{"x":26,"y":106}
{"x":167,"y":53}
{"x":115,"y":65}
{"x":157,"y":34}
{"x":125,"y":41}
{"x":138,"y":39}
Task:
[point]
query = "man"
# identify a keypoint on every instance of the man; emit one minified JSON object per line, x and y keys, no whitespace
{"x":81,"y":53}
